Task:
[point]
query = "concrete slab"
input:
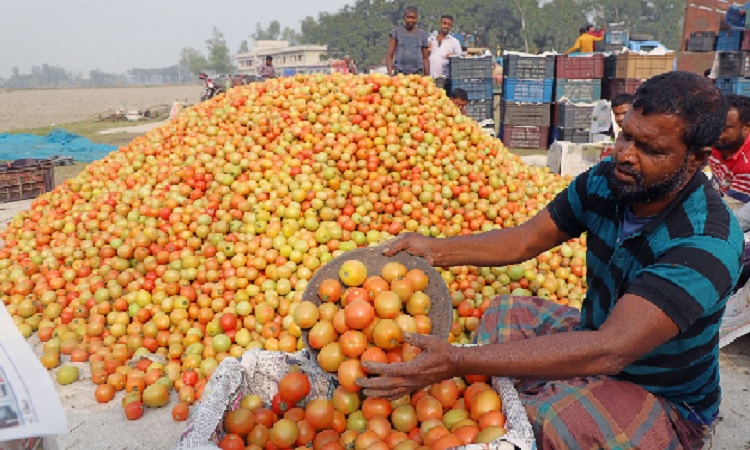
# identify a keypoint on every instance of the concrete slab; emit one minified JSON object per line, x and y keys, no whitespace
{"x":535,"y":160}
{"x":135,"y":129}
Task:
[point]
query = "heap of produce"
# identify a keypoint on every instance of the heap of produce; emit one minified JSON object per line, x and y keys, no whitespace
{"x":196,"y":241}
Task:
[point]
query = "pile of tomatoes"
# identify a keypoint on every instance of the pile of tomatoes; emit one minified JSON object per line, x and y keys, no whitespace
{"x":449,"y":414}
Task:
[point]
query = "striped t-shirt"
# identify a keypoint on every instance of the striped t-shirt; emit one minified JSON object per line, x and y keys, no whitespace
{"x":686,"y":261}
{"x":732,"y":175}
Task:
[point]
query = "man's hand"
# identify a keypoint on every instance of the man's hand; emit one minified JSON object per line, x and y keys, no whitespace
{"x":413,"y":244}
{"x":436,"y":362}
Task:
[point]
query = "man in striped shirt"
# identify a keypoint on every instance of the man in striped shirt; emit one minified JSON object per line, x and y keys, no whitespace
{"x":637,"y":367}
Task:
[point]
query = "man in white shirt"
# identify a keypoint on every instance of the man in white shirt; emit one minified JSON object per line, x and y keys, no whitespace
{"x":442,"y":46}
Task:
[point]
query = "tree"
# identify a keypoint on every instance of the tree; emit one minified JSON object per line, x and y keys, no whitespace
{"x":219,"y":59}
{"x":243,"y":47}
{"x":272,"y":33}
{"x":193,"y":60}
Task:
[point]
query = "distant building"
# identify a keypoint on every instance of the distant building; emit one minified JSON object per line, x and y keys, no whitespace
{"x":287,"y":60}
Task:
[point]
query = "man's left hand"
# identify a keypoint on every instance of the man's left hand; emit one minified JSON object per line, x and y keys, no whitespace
{"x":436,"y":362}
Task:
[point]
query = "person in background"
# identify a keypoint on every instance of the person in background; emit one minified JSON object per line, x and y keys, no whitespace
{"x":638,"y":365}
{"x":621,"y":105}
{"x":350,"y":65}
{"x":267,"y":70}
{"x":442,"y":46}
{"x":460,"y":98}
{"x":585,"y":42}
{"x":730,"y":166}
{"x":408,"y":51}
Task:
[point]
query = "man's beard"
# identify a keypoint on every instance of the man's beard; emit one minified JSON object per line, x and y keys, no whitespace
{"x":639,"y":192}
{"x":730,"y":145}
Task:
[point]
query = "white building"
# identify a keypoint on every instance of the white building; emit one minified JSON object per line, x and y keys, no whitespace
{"x":287,"y":60}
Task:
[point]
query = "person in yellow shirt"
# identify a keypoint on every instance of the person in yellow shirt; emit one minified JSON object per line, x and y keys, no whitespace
{"x":585,"y":42}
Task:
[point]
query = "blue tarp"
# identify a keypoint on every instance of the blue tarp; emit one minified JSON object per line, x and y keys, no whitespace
{"x":57,"y":142}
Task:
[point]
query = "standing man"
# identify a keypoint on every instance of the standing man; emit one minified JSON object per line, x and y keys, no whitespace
{"x":267,"y":70}
{"x":621,"y":105}
{"x":585,"y":42}
{"x":638,"y":366}
{"x":730,"y":158}
{"x":442,"y":46}
{"x":351,"y":68}
{"x":408,"y":52}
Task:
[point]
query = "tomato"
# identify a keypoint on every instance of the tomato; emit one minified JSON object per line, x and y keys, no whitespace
{"x":353,"y":272}
{"x":322,"y":334}
{"x":251,"y":402}
{"x":258,"y":435}
{"x":418,"y":303}
{"x":180,"y":412}
{"x":365,"y":439}
{"x":355,"y":293}
{"x":345,"y":401}
{"x":324,"y":437}
{"x":104,"y":393}
{"x":485,"y":401}
{"x":353,"y":343}
{"x":295,"y":414}
{"x":489,"y":434}
{"x":239,"y":421}
{"x":403,"y":288}
{"x":306,"y":314}
{"x":454,"y":416}
{"x":293,"y":387}
{"x":306,"y":433}
{"x":373,"y":407}
{"x":231,"y":442}
{"x":429,"y":408}
{"x":380,"y":425}
{"x":156,"y":395}
{"x":358,"y":314}
{"x":404,"y":418}
{"x":418,"y":278}
{"x":388,"y":305}
{"x":490,"y":419}
{"x":190,"y":377}
{"x":434,"y":434}
{"x":374,"y":354}
{"x":472,"y":390}
{"x":264,"y":416}
{"x":284,"y":433}
{"x":278,"y":406}
{"x":467,"y":433}
{"x":446,"y":442}
{"x":331,"y":357}
{"x":134,"y":410}
{"x":446,"y":392}
{"x":393,"y":270}
{"x":319,"y":413}
{"x":387,"y":334}
{"x":356,"y":422}
{"x":329,"y":290}
{"x":228,"y":321}
{"x":348,"y":373}
{"x":375,"y":285}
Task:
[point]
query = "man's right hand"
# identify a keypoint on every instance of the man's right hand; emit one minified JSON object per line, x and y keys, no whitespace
{"x":413,"y":244}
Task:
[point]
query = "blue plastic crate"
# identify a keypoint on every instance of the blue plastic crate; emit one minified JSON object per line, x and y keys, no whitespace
{"x":729,"y":41}
{"x":734,"y":17}
{"x":578,"y":90}
{"x":737,"y":86}
{"x":475,"y":89}
{"x":528,"y":91}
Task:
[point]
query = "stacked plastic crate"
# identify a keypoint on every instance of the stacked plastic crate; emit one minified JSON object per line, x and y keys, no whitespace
{"x":527,"y":96}
{"x":734,"y":61}
{"x":579,"y":80}
{"x":473,"y":75}
{"x":626,"y":72}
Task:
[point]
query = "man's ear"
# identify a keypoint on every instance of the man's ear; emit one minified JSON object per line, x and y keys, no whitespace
{"x":699,"y":158}
{"x":746,"y":130}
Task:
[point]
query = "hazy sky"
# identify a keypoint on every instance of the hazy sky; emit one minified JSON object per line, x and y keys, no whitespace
{"x":117,"y":35}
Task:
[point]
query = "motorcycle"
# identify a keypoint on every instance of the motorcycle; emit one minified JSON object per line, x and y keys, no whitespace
{"x":210,"y":89}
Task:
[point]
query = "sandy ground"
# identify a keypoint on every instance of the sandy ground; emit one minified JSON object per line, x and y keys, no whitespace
{"x":95,"y":426}
{"x":45,"y":107}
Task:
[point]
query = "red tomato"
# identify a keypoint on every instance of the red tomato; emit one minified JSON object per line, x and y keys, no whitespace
{"x":293,"y":387}
{"x":190,"y":377}
{"x":134,"y":410}
{"x":232,"y":442}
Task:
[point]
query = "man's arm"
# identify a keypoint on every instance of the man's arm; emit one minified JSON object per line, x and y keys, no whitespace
{"x":508,"y":246}
{"x":389,"y":57}
{"x":606,"y":351}
{"x":575,"y":46}
{"x":597,"y":38}
{"x":743,"y":217}
{"x":426,"y":60}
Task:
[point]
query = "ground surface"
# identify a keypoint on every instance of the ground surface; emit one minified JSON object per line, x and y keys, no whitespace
{"x":94,"y":426}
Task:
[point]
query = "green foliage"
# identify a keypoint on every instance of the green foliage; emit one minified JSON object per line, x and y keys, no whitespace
{"x":243,"y":47}
{"x":193,"y":60}
{"x":275,"y":33}
{"x":219,"y":59}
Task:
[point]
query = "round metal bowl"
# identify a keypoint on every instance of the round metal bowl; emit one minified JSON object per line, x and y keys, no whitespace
{"x":441,"y":310}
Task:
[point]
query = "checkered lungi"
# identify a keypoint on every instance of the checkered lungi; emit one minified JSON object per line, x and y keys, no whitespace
{"x":584,"y":413}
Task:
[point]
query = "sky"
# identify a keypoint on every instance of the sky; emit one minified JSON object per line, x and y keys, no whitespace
{"x":114,"y":36}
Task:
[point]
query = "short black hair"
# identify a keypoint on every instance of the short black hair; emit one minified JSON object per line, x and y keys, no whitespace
{"x":447,"y":16}
{"x":707,"y":72}
{"x":269,"y":57}
{"x":741,"y":104}
{"x":460,"y":94}
{"x":622,"y":99}
{"x":692,"y":98}
{"x":409,"y":9}
{"x":581,"y":30}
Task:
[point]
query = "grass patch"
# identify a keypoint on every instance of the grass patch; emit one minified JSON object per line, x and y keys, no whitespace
{"x":63,"y":173}
{"x":91,"y":130}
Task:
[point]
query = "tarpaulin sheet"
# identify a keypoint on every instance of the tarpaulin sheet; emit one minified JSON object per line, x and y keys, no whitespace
{"x":57,"y":142}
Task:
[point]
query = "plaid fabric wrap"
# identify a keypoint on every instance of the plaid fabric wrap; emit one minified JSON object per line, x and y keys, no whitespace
{"x":585,"y":413}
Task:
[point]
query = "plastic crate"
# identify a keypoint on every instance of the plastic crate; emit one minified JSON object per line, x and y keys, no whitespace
{"x":529,"y":67}
{"x":578,"y":90}
{"x":26,"y":179}
{"x":729,"y":41}
{"x":479,"y":110}
{"x":733,"y":65}
{"x":475,"y":89}
{"x":613,"y":87}
{"x":460,"y":68}
{"x":618,"y":37}
{"x":610,"y":66}
{"x":737,"y":86}
{"x":580,"y":67}
{"x":572,"y":135}
{"x":570,"y":115}
{"x":734,"y":17}
{"x":531,"y":91}
{"x":745,"y":41}
{"x":527,"y":114}
{"x":524,"y":137}
{"x":702,"y":41}
{"x":643,"y":67}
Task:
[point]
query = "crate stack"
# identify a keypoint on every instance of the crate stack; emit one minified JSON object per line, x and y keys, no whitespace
{"x":26,"y":179}
{"x":528,"y":82}
{"x":733,"y":70}
{"x":473,"y":75}
{"x":578,"y":85}
{"x":626,"y":72}
{"x":616,"y":37}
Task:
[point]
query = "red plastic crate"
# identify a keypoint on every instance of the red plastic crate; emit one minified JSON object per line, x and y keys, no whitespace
{"x":745,"y":41}
{"x":524,"y":137}
{"x":26,"y":182}
{"x":614,"y":86}
{"x":580,"y":67}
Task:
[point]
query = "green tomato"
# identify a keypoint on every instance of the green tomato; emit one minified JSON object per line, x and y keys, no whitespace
{"x":67,"y":374}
